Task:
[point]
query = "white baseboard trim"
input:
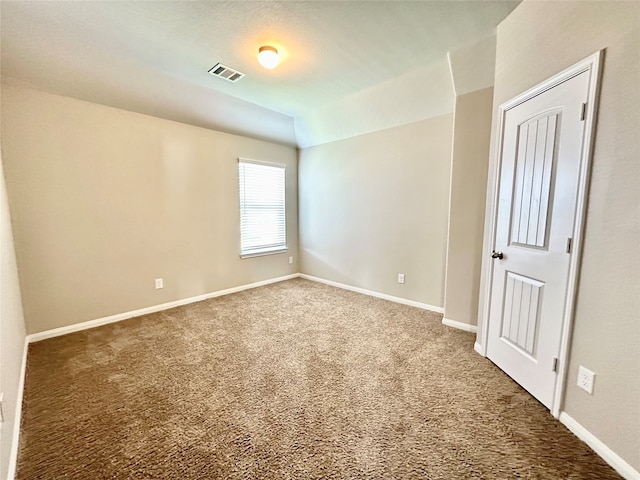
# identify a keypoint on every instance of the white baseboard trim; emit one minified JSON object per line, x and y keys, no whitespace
{"x":608,"y":455}
{"x":76,"y":327}
{"x":478,"y":348}
{"x":384,"y":296}
{"x":17,"y":419}
{"x":459,"y":325}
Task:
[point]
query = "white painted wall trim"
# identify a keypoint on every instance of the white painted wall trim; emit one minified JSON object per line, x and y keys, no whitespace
{"x":17,"y":419}
{"x":56,"y":332}
{"x":593,"y":65}
{"x":478,"y":348}
{"x":608,"y":455}
{"x":371,"y":293}
{"x":459,"y":325}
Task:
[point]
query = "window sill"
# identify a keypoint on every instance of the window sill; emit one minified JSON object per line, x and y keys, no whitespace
{"x":261,"y":253}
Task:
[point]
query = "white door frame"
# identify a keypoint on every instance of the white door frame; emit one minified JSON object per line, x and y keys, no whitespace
{"x":593,"y":65}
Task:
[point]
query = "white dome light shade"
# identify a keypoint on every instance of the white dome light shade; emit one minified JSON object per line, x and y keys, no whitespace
{"x":268,"y":57}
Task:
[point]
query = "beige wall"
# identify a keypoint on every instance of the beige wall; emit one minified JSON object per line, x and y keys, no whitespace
{"x":104,"y":201}
{"x":470,"y":160}
{"x":12,"y":331}
{"x":538,"y":40}
{"x":375,"y":205}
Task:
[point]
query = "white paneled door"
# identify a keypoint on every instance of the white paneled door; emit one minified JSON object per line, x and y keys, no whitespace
{"x":536,"y":214}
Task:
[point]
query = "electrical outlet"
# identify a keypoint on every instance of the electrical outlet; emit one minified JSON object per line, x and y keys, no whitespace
{"x":290,"y":260}
{"x":159,"y":283}
{"x":401,"y":278}
{"x":585,"y":379}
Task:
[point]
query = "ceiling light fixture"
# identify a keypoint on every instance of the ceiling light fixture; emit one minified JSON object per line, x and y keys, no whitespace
{"x":268,"y":57}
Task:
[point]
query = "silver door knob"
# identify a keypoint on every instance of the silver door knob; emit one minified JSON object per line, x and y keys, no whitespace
{"x":495,"y":254}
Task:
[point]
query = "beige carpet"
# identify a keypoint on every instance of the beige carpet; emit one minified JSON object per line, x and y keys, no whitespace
{"x":295,"y":380}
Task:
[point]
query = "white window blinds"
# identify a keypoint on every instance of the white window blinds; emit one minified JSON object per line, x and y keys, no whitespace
{"x":262,"y":208}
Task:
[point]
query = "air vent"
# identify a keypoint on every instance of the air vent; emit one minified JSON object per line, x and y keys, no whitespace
{"x":225,"y":72}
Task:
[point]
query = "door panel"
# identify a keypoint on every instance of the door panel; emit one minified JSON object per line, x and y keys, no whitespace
{"x":532,"y":196}
{"x":540,"y":168}
{"x":521,"y":307}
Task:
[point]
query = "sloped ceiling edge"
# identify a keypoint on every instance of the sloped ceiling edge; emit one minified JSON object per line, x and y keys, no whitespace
{"x":410,"y":98}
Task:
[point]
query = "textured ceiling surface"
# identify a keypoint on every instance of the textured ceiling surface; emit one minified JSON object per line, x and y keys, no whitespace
{"x":144,"y":55}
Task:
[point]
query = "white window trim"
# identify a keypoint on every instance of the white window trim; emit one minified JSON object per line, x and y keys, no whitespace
{"x":262,"y":253}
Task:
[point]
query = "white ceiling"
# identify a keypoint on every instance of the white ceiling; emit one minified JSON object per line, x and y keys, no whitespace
{"x":153,"y":56}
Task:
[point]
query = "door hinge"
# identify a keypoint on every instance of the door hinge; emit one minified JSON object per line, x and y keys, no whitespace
{"x":569,"y":241}
{"x":555,"y":364}
{"x":583,"y":112}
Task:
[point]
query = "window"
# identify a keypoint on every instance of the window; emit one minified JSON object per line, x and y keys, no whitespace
{"x":262,"y":208}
